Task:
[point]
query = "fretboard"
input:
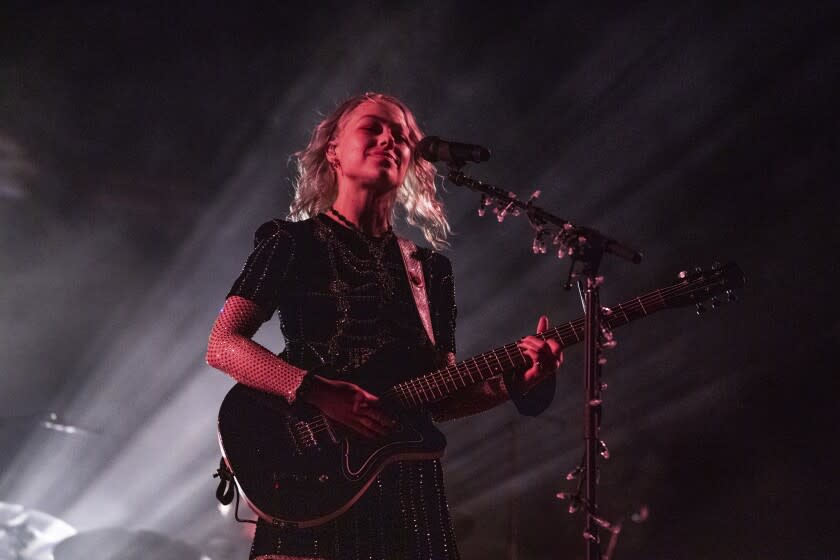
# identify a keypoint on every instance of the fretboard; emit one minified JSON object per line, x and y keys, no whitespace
{"x":443,"y":382}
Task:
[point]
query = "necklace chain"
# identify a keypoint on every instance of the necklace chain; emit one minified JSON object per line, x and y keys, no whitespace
{"x":353,"y":226}
{"x":376,"y":249}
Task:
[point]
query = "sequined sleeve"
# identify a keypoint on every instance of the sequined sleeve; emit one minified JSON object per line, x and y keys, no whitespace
{"x":263,"y":276}
{"x":443,"y":308}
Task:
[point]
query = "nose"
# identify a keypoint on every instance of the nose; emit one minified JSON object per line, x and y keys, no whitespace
{"x":386,"y":139}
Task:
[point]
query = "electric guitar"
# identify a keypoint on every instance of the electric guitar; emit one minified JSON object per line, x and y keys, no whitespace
{"x":296,"y":467}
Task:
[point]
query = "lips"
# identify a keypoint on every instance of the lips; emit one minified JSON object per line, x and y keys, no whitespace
{"x":388,"y":155}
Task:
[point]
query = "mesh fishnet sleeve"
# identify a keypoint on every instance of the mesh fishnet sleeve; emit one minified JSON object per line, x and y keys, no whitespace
{"x":231,"y":350}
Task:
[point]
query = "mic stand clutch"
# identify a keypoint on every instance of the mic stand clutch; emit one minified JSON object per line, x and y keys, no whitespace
{"x":586,"y":247}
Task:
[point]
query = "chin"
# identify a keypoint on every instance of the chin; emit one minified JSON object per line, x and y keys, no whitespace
{"x":384,"y":182}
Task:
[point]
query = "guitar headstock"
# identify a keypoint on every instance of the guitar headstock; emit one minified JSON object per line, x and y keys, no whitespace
{"x":698,"y":286}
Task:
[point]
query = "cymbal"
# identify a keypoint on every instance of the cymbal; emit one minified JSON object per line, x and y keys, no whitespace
{"x":51,"y":421}
{"x":28,"y":533}
{"x":123,"y":544}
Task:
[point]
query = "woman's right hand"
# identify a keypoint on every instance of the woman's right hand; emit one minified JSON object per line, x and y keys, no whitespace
{"x":350,"y":405}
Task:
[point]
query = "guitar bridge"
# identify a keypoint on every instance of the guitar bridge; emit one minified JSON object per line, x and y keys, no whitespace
{"x":304,"y":435}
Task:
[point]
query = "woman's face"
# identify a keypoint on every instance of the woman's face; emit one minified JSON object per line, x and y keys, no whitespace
{"x":372,"y":147}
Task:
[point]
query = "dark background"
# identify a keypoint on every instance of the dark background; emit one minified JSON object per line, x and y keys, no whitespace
{"x":141,"y":145}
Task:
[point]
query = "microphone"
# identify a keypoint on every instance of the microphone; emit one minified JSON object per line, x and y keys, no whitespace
{"x":433,"y":148}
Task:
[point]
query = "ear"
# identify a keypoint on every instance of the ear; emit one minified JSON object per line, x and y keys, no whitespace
{"x":331,"y":157}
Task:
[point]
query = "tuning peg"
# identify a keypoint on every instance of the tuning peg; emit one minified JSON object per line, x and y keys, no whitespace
{"x":717,"y":266}
{"x":605,"y":452}
{"x":502,"y":212}
{"x":602,"y":522}
{"x":683,"y":274}
{"x":730,"y":295}
{"x":698,"y":270}
{"x":700,"y":308}
{"x":539,"y":245}
{"x":591,"y":537}
{"x":715,"y":303}
{"x":482,"y":206}
{"x":642,"y":515}
{"x":575,"y":505}
{"x":574,"y":473}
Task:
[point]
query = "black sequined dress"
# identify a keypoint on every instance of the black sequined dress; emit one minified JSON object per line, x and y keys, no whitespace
{"x":341,"y":296}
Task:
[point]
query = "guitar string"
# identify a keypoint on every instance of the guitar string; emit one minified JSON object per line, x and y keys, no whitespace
{"x":319,"y":424}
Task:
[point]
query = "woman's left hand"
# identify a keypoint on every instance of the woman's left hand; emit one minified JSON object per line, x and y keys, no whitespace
{"x":545,"y":356}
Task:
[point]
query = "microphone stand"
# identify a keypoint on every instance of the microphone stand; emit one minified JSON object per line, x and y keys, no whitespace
{"x":586,"y":247}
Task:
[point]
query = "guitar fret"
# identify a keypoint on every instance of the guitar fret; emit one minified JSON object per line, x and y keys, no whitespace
{"x":418,"y":387}
{"x":498,"y":361}
{"x":443,"y":379}
{"x":431,"y":387}
{"x":486,"y":364}
{"x":490,"y":367}
{"x":469,"y":371}
{"x":458,"y":369}
{"x":663,"y":303}
{"x":512,"y":363}
{"x":400,"y":391}
{"x":451,"y":371}
{"x":626,"y":318}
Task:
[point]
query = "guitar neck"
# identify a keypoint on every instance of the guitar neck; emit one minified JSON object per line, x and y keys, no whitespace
{"x":441,"y":383}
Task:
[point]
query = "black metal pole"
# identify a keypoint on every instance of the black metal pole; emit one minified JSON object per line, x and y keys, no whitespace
{"x":592,"y":407}
{"x":586,"y":247}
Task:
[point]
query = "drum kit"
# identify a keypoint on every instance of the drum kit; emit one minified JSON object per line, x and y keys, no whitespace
{"x":30,"y":534}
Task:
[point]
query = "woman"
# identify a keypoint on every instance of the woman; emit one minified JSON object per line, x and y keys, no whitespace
{"x":337,"y":276}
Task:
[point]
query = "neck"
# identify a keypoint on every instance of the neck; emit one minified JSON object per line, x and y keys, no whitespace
{"x":368,"y":210}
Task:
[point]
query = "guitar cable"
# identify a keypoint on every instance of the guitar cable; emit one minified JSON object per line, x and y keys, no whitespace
{"x":227,"y":490}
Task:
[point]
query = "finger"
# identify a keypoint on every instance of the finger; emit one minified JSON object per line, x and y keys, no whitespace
{"x":382,"y":419}
{"x":556,"y":351}
{"x":530,"y":347}
{"x":370,"y":397}
{"x":354,"y":424}
{"x":364,"y":431}
{"x":542,"y":324}
{"x":373,"y":425}
{"x":358,"y":405}
{"x":531,"y":342}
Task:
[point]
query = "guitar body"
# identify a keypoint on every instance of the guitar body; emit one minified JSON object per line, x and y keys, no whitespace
{"x":294,"y":467}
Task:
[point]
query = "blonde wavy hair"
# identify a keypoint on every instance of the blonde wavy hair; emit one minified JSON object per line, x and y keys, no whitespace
{"x":316,"y":184}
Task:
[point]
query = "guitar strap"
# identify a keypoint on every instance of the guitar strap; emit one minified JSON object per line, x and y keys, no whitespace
{"x":417,"y":282}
